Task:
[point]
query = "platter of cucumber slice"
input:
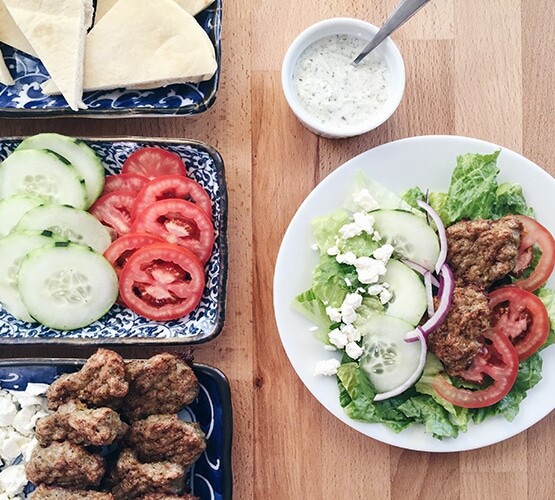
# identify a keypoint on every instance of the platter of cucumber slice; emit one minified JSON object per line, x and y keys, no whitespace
{"x":55,"y":283}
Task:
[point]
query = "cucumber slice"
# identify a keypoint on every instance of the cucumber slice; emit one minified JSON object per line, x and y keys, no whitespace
{"x":81,"y":156}
{"x":388,"y":360}
{"x":411,"y":236}
{"x":44,"y":174}
{"x":409,"y":294}
{"x":72,"y":224}
{"x":13,"y":249}
{"x":67,"y":286}
{"x":13,"y":208}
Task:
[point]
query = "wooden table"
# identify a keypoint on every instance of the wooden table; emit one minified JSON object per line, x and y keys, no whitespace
{"x":482,"y":68}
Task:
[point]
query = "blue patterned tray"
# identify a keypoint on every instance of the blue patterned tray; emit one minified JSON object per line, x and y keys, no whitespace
{"x":25,"y":100}
{"x":210,"y":478}
{"x":121,"y":325}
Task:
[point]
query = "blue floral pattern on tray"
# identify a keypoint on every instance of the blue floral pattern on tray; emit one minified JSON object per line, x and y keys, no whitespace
{"x":25,"y":99}
{"x":120,"y":324}
{"x":210,"y":477}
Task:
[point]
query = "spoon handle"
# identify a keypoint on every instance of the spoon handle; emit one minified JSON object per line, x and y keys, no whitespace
{"x":404,"y":11}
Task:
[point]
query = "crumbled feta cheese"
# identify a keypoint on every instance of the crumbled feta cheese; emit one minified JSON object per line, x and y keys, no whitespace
{"x":383,"y":253}
{"x":13,"y":480}
{"x":348,"y":309}
{"x":385,"y":296}
{"x":313,"y":329}
{"x":369,"y":270}
{"x":8,"y":411}
{"x":346,"y":258}
{"x":314,"y":247}
{"x":353,"y":350}
{"x":376,"y":236}
{"x":348,"y":282}
{"x":365,"y":200}
{"x":333,"y":250}
{"x":334,"y":314}
{"x":327,"y":367}
{"x":375,"y":289}
{"x":353,"y":334}
{"x":362,"y":223}
{"x":338,"y":338}
{"x":19,"y":411}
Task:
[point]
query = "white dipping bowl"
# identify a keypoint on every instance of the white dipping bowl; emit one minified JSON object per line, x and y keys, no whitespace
{"x":386,"y":50}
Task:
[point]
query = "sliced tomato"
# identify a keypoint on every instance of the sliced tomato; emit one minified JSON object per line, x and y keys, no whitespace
{"x":180,"y":222}
{"x":124,"y":182}
{"x":119,"y":251}
{"x":535,"y":234}
{"x":114,"y":210}
{"x":162,"y":282}
{"x":173,"y":186}
{"x":154,"y":162}
{"x":520,"y":316}
{"x":498,"y":360}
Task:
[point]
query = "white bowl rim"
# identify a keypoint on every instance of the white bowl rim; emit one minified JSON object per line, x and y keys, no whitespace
{"x":304,"y":39}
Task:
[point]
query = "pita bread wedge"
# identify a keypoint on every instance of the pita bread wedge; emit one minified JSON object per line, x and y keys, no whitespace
{"x":10,"y":34}
{"x":145,"y":42}
{"x":193,"y":7}
{"x":5,"y":76}
{"x":56,"y":29}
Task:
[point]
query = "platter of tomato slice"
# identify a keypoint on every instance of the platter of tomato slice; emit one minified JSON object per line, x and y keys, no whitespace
{"x":165,"y":205}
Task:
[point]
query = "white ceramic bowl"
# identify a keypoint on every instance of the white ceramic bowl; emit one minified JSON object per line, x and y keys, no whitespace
{"x":340,"y":26}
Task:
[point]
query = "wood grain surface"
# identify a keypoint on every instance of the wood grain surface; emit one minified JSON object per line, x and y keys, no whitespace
{"x":482,"y":68}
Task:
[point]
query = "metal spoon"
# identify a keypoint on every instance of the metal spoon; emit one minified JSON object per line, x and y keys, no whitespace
{"x":404,"y":11}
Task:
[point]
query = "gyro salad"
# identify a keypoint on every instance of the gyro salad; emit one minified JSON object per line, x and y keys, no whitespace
{"x":433,"y":303}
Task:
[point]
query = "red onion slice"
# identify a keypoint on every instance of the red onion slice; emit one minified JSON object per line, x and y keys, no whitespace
{"x":415,"y":376}
{"x":422,"y":270}
{"x":444,"y":305}
{"x":429,"y":294}
{"x":440,"y":231}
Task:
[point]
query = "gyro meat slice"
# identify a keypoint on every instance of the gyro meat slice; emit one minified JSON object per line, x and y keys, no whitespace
{"x":161,"y":384}
{"x":101,"y":382}
{"x":481,"y":252}
{"x":65,"y":464}
{"x":456,"y":341}
{"x":133,"y":479}
{"x":167,"y":438}
{"x":44,"y":492}
{"x":74,"y":422}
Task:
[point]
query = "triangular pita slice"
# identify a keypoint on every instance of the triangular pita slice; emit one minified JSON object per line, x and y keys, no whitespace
{"x":56,"y":29}
{"x":10,"y":34}
{"x":193,"y":7}
{"x":142,"y":42}
{"x":5,"y":76}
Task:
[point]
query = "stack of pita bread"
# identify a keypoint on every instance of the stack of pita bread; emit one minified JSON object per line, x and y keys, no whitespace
{"x":133,"y":43}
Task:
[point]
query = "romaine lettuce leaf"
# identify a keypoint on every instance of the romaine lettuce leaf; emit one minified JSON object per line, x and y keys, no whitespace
{"x":547,"y":296}
{"x":473,"y":187}
{"x":425,"y":410}
{"x":510,"y":200}
{"x":328,"y":281}
{"x":356,"y":395}
{"x":326,"y":228}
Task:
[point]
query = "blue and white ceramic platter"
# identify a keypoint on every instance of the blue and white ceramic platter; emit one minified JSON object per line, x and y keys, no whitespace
{"x":25,"y":99}
{"x":210,"y":478}
{"x":120,"y":324}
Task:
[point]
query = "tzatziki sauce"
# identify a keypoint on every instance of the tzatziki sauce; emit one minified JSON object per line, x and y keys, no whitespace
{"x":335,"y":92}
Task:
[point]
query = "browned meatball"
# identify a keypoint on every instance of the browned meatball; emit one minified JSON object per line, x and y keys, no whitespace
{"x":161,"y":384}
{"x":133,"y":479}
{"x":456,"y":342}
{"x":65,"y":464}
{"x":166,"y":437}
{"x":74,"y":422}
{"x":101,"y":382}
{"x":44,"y":492}
{"x":481,"y":252}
